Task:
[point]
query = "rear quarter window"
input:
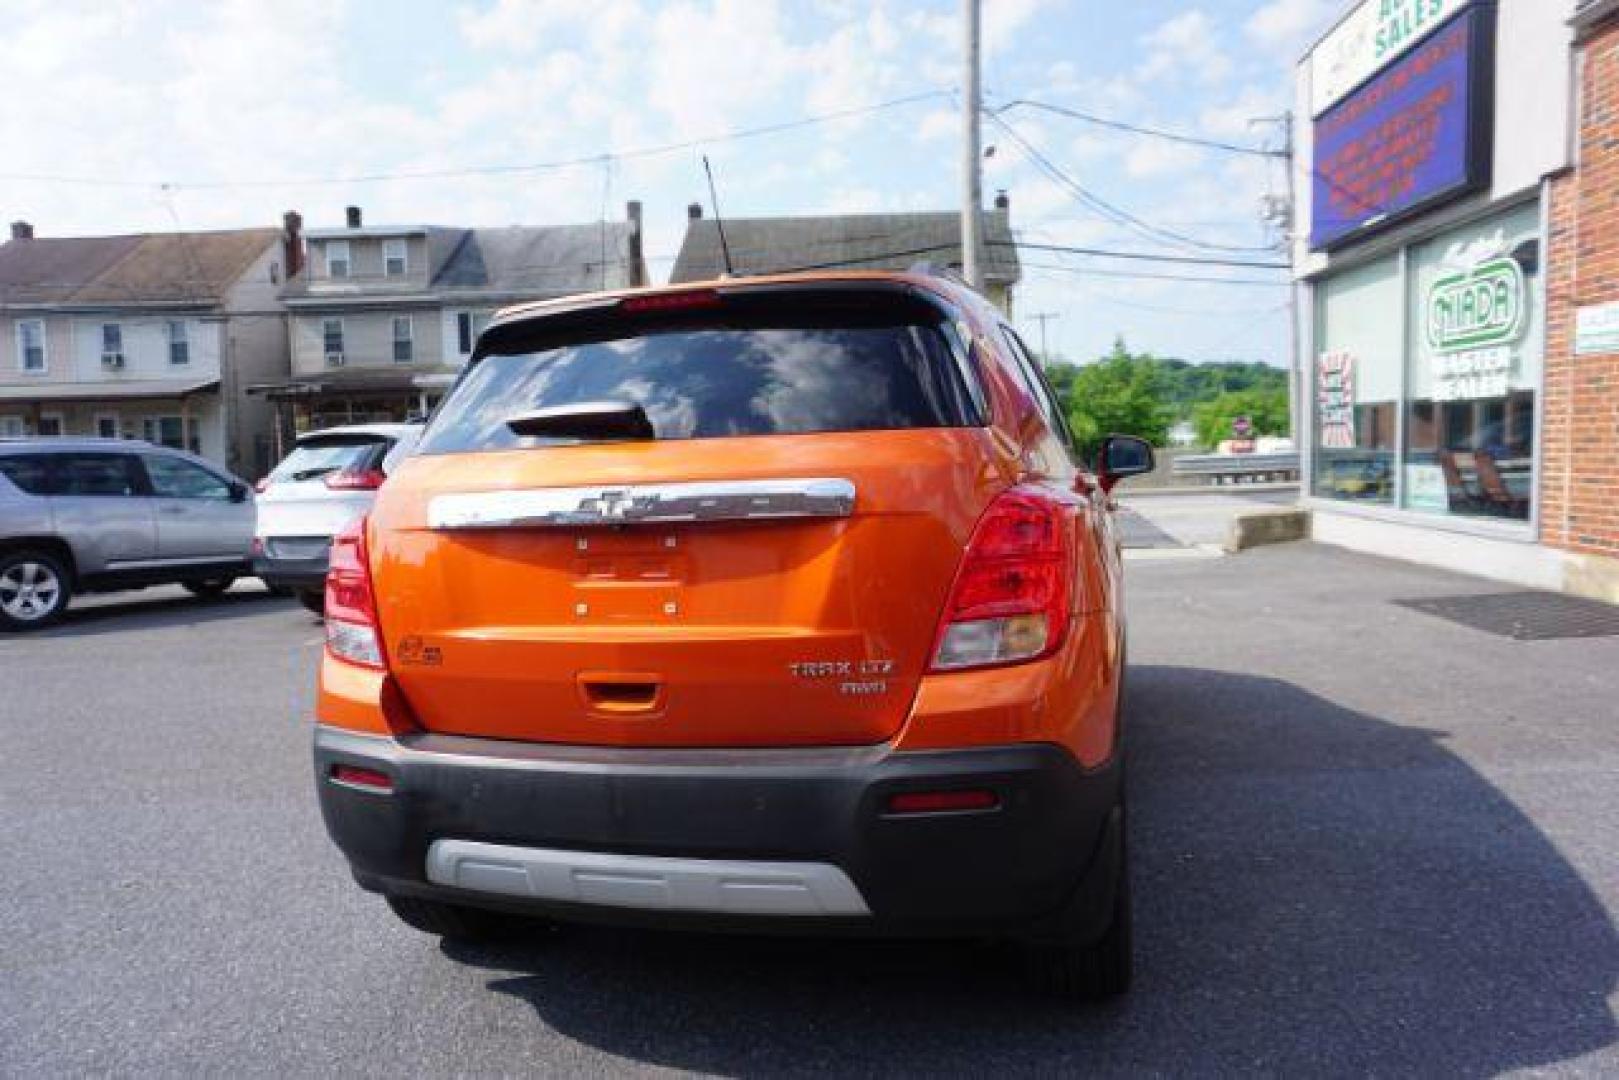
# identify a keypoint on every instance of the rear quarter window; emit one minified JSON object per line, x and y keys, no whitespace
{"x":755,"y":375}
{"x":28,"y":472}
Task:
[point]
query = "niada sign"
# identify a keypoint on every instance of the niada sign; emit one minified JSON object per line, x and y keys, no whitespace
{"x":1477,"y":308}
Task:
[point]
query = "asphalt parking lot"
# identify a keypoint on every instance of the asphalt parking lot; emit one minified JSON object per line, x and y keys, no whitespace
{"x":1366,"y":840}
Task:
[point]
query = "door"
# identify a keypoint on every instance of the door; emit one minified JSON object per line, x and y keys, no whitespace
{"x":99,"y":503}
{"x":197,"y":516}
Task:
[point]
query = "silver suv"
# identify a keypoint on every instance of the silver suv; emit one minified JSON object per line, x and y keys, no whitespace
{"x":93,"y":515}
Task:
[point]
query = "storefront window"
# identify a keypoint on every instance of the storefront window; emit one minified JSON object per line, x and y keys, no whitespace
{"x":1357,"y":381}
{"x":1474,"y":364}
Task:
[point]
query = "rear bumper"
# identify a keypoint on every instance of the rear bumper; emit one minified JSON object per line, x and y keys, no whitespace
{"x":291,"y":573}
{"x":794,"y":840}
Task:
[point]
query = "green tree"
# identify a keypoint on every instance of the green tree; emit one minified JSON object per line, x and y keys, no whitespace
{"x":1118,"y":394}
{"x":1265,"y":407}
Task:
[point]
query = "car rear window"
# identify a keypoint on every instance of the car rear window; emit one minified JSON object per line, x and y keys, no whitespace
{"x":316,"y":458}
{"x":759,"y":373}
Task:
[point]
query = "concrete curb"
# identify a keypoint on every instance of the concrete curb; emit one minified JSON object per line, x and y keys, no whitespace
{"x":1253,"y":528}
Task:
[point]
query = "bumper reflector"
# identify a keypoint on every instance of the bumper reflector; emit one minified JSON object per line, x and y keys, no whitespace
{"x":357,"y":777}
{"x":942,"y":802}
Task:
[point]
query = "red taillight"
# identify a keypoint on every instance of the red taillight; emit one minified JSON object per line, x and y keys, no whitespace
{"x":260,"y":484}
{"x":942,"y":802}
{"x":677,"y":301}
{"x":351,"y":610}
{"x":356,"y":776}
{"x":355,"y":480}
{"x":1010,"y":602}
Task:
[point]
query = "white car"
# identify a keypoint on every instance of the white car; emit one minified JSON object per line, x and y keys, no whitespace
{"x":330,"y":478}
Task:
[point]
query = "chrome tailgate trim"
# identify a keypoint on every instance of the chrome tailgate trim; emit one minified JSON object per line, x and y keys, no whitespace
{"x":710,"y":500}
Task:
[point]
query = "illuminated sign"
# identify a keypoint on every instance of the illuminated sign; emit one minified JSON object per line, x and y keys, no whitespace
{"x":1371,"y":37}
{"x":1416,"y":134}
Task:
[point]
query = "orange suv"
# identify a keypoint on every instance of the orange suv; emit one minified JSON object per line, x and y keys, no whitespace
{"x":774,"y":604}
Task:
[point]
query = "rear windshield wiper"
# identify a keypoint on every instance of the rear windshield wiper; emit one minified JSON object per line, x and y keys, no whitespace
{"x":310,"y":474}
{"x":588,"y":421}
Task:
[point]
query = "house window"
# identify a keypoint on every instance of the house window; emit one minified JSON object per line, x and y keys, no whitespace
{"x":179,"y":343}
{"x":393,"y":258}
{"x":337,"y":258}
{"x":165,"y":431}
{"x":331,"y":332}
{"x":12,"y":427}
{"x":50,"y":425}
{"x":402,"y":339}
{"x":31,"y":345}
{"x":107,"y":425}
{"x":468,"y":325}
{"x":112,"y":345}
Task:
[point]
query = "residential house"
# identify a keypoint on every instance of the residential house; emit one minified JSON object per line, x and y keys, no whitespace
{"x":149,"y":335}
{"x":848,"y":242}
{"x":382,"y":318}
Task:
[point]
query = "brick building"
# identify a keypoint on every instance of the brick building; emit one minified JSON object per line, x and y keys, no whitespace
{"x":1457,"y":256}
{"x":1579,"y":489}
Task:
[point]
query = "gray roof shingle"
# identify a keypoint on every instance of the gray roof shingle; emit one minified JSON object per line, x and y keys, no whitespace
{"x":845,"y":241}
{"x":141,"y":268}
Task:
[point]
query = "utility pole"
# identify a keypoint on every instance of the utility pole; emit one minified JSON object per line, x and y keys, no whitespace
{"x":971,"y":182}
{"x":1285,"y":217}
{"x":1043,"y":317}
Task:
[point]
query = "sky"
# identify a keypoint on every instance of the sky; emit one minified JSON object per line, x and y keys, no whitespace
{"x":125,"y":116}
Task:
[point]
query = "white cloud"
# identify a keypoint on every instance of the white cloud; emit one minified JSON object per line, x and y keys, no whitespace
{"x":1155,"y":157}
{"x":1285,"y":25}
{"x":1185,"y":45}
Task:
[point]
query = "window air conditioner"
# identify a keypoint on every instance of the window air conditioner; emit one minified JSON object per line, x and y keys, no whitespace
{"x":112,"y":360}
{"x":334,"y":359}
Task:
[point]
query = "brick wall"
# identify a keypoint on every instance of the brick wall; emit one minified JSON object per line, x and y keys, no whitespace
{"x":1580,"y":442}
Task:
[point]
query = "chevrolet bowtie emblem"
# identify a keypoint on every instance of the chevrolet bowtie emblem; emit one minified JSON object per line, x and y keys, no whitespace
{"x":615,"y":505}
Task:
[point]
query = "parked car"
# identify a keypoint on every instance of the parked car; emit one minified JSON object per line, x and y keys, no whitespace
{"x":93,"y":515}
{"x":776,"y":604}
{"x":329,"y":478}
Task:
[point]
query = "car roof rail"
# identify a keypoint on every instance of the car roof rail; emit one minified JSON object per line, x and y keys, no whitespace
{"x":933,"y":269}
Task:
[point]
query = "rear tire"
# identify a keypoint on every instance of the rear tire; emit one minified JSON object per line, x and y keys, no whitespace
{"x":208,"y":588}
{"x":35,"y":587}
{"x":454,"y":922}
{"x":314,"y":602}
{"x":1100,"y":970}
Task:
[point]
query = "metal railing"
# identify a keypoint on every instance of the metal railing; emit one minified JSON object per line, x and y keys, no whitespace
{"x":1238,"y":468}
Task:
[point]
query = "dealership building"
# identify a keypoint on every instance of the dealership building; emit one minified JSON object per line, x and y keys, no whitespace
{"x":1457,"y":257}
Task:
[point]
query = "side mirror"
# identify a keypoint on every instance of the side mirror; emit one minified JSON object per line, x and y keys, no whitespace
{"x":238,"y":491}
{"x":1122,"y":456}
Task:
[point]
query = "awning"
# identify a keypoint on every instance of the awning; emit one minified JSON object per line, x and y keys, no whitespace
{"x":131,"y":390}
{"x":355,"y":383}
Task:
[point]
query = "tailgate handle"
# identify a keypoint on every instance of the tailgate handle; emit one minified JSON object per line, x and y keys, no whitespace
{"x":621,"y":694}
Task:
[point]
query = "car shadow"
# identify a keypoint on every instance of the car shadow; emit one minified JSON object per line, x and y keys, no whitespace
{"x":142,"y":611}
{"x":1317,"y":891}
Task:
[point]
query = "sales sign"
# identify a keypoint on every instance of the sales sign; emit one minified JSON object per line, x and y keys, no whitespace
{"x":1335,"y":399}
{"x":1370,"y":37}
{"x":1414,"y":135}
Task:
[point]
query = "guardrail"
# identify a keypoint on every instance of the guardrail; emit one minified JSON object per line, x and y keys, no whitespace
{"x":1238,"y":468}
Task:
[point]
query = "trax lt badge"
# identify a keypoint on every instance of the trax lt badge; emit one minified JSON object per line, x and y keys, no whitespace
{"x":857,"y":678}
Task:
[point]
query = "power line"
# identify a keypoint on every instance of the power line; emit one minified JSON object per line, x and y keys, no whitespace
{"x":1143,"y":275}
{"x":1137,"y":129}
{"x":498,"y":170}
{"x":1116,"y":214}
{"x":1143,"y":256}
